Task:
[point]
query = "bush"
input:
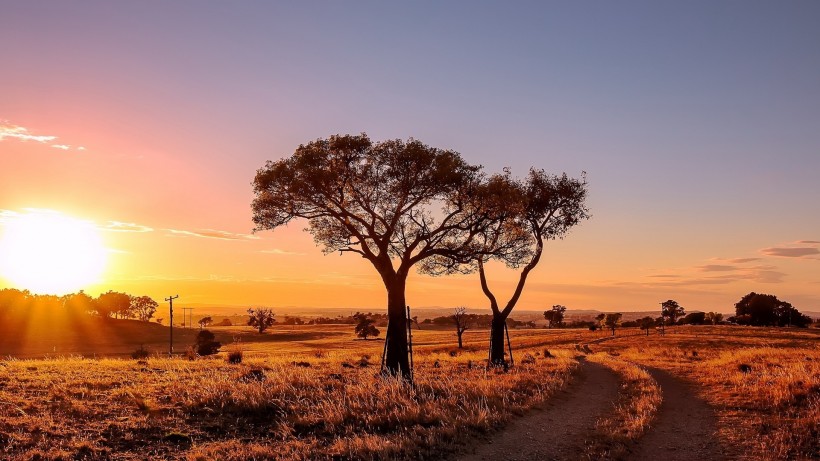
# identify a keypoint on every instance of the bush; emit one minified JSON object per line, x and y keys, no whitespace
{"x":205,"y":343}
{"x":235,"y":357}
{"x":141,"y":353}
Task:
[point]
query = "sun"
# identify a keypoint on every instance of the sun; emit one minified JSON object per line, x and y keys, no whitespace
{"x":47,"y":252}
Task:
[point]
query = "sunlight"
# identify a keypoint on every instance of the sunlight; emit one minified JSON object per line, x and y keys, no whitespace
{"x":49,"y":252}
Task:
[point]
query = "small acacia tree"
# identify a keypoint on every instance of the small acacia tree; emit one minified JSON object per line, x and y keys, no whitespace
{"x":204,"y":322}
{"x":143,"y":307}
{"x":521,"y":215}
{"x":555,"y":316}
{"x":646,"y":324}
{"x":261,"y":319}
{"x":714,"y":317}
{"x":612,"y":320}
{"x":461,"y":322}
{"x":672,"y":310}
{"x":365,"y":326}
{"x":394,"y":203}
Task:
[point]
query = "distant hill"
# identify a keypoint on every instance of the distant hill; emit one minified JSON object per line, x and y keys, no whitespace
{"x":87,"y":336}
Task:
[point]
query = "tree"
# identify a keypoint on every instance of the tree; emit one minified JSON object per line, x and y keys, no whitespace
{"x":462,"y":323}
{"x":646,"y":323}
{"x":714,"y":317}
{"x":600,"y":318}
{"x":204,"y":322}
{"x":671,"y":310}
{"x":520,"y":216}
{"x":379,"y":201}
{"x":143,"y":307}
{"x":365,"y":327}
{"x":766,"y":310}
{"x":261,"y":319}
{"x":694,"y":318}
{"x":79,"y":304}
{"x":112,"y":303}
{"x":612,"y":321}
{"x":555,"y":316}
{"x":206,"y":343}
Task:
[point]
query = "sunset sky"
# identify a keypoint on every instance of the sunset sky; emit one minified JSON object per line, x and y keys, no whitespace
{"x":698,"y":124}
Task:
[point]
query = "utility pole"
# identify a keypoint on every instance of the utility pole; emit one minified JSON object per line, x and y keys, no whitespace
{"x":663,"y":322}
{"x":190,"y":316}
{"x":171,"y":299}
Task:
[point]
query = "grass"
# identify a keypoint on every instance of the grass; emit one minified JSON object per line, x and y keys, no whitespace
{"x":332,"y":405}
{"x":772,"y":411}
{"x":314,"y":392}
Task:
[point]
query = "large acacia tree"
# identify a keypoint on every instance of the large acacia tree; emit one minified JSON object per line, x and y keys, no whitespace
{"x":395,"y":203}
{"x":525,"y":213}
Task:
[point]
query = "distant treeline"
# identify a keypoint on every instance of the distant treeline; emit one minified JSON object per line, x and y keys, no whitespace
{"x":22,"y":304}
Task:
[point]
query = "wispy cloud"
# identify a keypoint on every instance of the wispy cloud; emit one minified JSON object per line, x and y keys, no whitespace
{"x":213,"y":234}
{"x":118,"y":226}
{"x":716,"y":268}
{"x":807,"y":249}
{"x":20,"y":133}
{"x":277,"y":251}
{"x":725,"y":270}
{"x":9,"y":131}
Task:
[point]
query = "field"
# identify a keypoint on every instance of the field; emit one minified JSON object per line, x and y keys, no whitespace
{"x":314,"y":392}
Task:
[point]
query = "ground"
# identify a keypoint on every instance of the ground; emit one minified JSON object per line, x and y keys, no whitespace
{"x":314,"y":392}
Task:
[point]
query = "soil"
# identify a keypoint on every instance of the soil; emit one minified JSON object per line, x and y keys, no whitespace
{"x":557,"y":430}
{"x":684,"y":429}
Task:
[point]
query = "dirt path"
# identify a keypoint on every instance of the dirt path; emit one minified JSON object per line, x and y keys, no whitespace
{"x":556,"y":431}
{"x":684,"y":428}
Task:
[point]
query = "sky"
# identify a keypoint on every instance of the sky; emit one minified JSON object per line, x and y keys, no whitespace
{"x":696,"y":122}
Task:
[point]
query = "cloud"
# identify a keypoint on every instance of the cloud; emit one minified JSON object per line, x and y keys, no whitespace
{"x":716,"y":268}
{"x":20,"y":133}
{"x":213,"y":234}
{"x":117,"y":226}
{"x":790,"y":252}
{"x":11,"y":131}
{"x":277,"y":251}
{"x":737,"y":260}
{"x":808,"y":242}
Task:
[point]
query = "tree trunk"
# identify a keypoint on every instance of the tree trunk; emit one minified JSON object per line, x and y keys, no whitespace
{"x":396,"y":355}
{"x":459,"y":340}
{"x":497,"y":339}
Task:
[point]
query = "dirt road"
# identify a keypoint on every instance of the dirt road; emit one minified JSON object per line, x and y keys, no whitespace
{"x":558,"y":430}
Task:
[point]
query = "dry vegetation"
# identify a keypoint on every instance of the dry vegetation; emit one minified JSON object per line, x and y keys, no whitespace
{"x":639,"y":397}
{"x":315,"y":393}
{"x":300,"y":405}
{"x":763,"y":382}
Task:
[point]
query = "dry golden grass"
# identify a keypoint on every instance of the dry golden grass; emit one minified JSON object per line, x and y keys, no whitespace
{"x":763,"y":383}
{"x":639,"y":397}
{"x":298,"y":405}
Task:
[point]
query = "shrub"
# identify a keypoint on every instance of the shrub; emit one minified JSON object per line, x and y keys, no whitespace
{"x":234,"y":357}
{"x":140,"y":353}
{"x":205,"y":343}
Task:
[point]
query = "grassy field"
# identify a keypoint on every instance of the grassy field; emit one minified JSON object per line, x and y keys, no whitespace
{"x":314,"y":392}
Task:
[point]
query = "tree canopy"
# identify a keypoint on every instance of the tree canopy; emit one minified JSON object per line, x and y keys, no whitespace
{"x":395,"y":203}
{"x":766,"y":310}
